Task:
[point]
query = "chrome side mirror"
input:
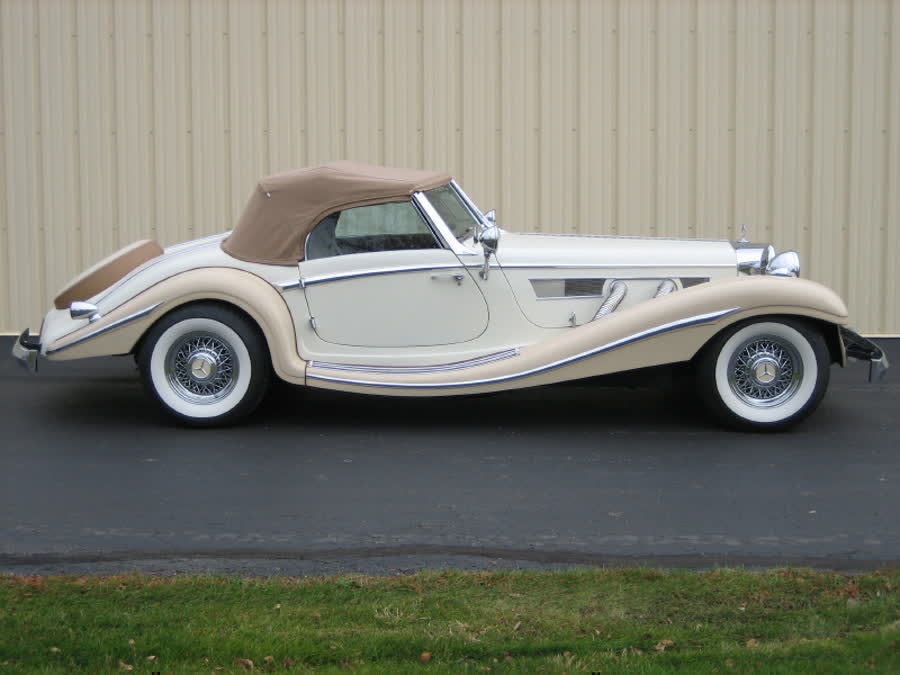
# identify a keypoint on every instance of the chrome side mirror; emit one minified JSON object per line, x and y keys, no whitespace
{"x":490,"y":237}
{"x":81,"y":310}
{"x":491,"y":216}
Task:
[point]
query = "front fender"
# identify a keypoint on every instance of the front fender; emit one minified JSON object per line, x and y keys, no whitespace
{"x":119,"y":330}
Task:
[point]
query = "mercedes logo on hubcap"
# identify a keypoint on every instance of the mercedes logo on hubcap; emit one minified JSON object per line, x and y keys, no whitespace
{"x":765,"y":372}
{"x":201,"y":366}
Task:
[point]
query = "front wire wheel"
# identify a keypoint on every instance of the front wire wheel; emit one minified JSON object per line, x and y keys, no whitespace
{"x":205,"y":364}
{"x":764,"y":375}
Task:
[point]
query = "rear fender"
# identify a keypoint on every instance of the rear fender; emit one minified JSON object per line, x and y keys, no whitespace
{"x":119,"y":330}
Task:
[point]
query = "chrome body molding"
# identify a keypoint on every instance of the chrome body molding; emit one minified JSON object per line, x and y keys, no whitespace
{"x":409,"y":370}
{"x":673,"y":325}
{"x":105,"y":329}
{"x":288,"y":285}
{"x":613,"y":236}
{"x":337,"y":276}
{"x":599,"y":266}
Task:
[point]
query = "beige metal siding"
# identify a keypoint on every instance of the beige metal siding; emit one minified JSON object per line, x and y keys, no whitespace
{"x":153,"y":118}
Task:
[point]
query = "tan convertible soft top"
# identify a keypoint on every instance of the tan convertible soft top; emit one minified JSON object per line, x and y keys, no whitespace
{"x":286,"y":206}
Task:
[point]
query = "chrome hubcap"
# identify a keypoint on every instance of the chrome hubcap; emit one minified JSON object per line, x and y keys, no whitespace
{"x":765,"y":371}
{"x":201,"y":368}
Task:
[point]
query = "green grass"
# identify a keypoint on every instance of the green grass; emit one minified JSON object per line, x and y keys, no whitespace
{"x":619,"y":620}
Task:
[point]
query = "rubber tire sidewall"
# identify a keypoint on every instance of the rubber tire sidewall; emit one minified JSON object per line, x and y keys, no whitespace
{"x":250,"y":354}
{"x":716,"y":388}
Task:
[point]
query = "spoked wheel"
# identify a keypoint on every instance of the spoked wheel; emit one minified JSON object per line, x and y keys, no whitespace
{"x":764,"y":375}
{"x":206,"y":364}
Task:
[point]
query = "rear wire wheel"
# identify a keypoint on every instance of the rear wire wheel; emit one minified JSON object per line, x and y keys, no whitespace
{"x":205,"y":364}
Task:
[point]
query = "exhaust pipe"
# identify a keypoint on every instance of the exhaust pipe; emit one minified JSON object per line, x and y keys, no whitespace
{"x":665,"y":287}
{"x":616,"y":294}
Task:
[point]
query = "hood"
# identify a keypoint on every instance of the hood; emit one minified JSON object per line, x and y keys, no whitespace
{"x":521,"y":250}
{"x":561,"y":280}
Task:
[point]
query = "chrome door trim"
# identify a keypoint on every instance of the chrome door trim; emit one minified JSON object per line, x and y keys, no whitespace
{"x":681,"y":323}
{"x":288,"y":285}
{"x":115,"y":324}
{"x":337,"y":276}
{"x":409,"y":370}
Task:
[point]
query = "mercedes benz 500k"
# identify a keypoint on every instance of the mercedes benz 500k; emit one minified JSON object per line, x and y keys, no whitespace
{"x":391,"y":281}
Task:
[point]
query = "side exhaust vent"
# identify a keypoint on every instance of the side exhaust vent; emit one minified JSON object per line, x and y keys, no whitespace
{"x":616,"y":294}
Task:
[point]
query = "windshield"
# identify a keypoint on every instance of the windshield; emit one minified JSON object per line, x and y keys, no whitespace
{"x":453,"y":210}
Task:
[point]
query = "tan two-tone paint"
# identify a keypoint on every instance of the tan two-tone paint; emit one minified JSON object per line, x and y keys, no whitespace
{"x":668,"y":329}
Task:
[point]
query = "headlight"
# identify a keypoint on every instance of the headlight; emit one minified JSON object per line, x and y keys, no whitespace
{"x":753,"y":258}
{"x":786,"y":264}
{"x":761,"y":259}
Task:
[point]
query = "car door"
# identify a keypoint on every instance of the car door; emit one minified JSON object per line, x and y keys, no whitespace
{"x":377,"y":276}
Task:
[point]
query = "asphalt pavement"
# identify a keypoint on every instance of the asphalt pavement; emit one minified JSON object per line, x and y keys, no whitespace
{"x":95,"y":479}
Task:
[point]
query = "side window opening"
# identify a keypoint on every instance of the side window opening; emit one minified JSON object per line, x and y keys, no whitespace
{"x":366,"y":229}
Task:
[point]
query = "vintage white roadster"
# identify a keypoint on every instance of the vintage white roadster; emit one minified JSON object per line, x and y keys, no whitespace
{"x":391,"y":281}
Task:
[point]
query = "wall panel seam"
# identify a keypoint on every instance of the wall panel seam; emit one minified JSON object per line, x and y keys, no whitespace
{"x":151,"y":102}
{"x":110,"y":42}
{"x":886,"y":159}
{"x":189,"y":141}
{"x":848,"y":168}
{"x":38,"y":149}
{"x":4,"y":195}
{"x":810,"y":126}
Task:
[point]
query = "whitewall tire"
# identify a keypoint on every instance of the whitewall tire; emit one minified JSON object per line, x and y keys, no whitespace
{"x":206,"y":364}
{"x":766,"y":374}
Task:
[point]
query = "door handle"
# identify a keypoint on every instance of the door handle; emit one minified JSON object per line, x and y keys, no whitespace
{"x":457,"y":277}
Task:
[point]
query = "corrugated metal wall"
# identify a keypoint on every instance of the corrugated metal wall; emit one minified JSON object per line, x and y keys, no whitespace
{"x":153,"y":118}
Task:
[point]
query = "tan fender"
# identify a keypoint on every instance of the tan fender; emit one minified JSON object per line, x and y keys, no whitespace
{"x":668,"y":329}
{"x":255,"y":296}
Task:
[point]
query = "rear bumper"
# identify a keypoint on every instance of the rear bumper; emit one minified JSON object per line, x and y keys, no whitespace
{"x":858,"y":347}
{"x":26,"y":351}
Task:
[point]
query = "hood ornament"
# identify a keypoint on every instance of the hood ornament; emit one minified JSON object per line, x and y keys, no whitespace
{"x":743,"y":239}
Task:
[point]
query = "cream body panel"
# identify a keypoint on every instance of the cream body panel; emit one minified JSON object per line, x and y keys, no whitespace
{"x":206,"y":253}
{"x":395,"y":299}
{"x":507,"y":327}
{"x":254,"y":295}
{"x":176,"y":260}
{"x":645,"y":261}
{"x":613,"y":344}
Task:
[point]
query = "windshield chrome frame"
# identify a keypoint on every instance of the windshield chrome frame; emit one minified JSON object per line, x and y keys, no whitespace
{"x":443,"y":230}
{"x":479,"y":216}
